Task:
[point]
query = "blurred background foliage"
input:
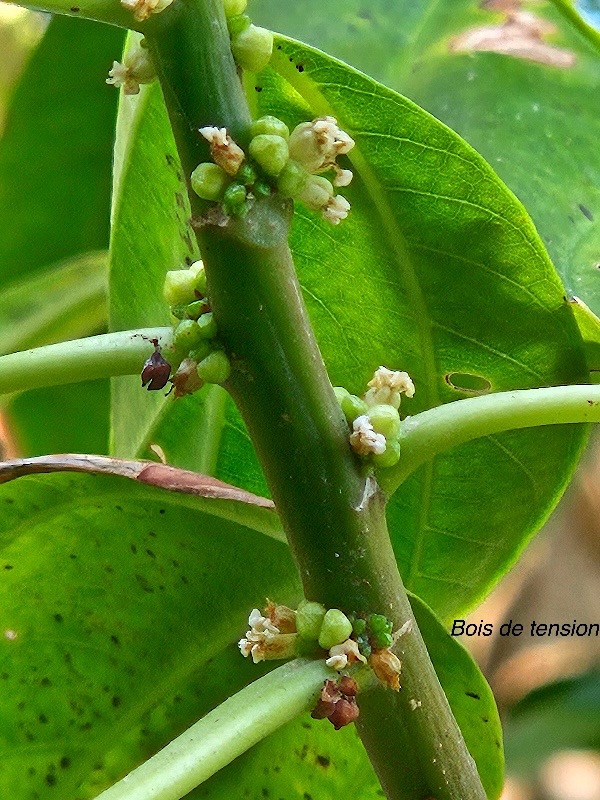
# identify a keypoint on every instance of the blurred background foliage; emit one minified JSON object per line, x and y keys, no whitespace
{"x":534,"y":115}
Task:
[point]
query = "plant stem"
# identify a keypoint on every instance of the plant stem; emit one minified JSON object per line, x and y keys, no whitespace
{"x":121,"y":353}
{"x":333,"y":514}
{"x":569,"y":12}
{"x":224,"y":733}
{"x":431,"y":432}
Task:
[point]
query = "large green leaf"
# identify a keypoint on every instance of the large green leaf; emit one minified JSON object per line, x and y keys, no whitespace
{"x":561,"y":716}
{"x":439,"y":271}
{"x":114,"y":597}
{"x":536,"y":123}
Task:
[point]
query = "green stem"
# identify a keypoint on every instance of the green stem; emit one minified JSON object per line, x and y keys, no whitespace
{"x":439,"y":429}
{"x":333,"y":514}
{"x":224,"y":733}
{"x":569,"y":12}
{"x":121,"y":353}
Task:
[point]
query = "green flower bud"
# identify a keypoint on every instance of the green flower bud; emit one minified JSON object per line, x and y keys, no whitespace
{"x":359,"y":626}
{"x":352,"y":406}
{"x":186,"y":335}
{"x":383,"y":640}
{"x":233,"y":7}
{"x":270,"y":126}
{"x":201,"y":351}
{"x":235,"y":200}
{"x":215,"y":368}
{"x":178,"y":288}
{"x":252,"y":48}
{"x":317,"y":192}
{"x":336,"y":628}
{"x":391,"y":455}
{"x":194,"y":310}
{"x":238,"y":23}
{"x":179,"y":311}
{"x":261,"y":189}
{"x":379,"y":624}
{"x":386,"y":420}
{"x":292,"y":179}
{"x":197,"y":270}
{"x":209,"y":181}
{"x":207,"y":326}
{"x":270,"y":152}
{"x":246,"y":174}
{"x":309,"y":619}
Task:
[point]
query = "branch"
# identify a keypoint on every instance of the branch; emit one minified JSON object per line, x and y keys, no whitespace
{"x":432,"y":432}
{"x":121,"y":353}
{"x":224,"y":733}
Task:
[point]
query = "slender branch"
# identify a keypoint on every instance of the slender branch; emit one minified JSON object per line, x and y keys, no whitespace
{"x":224,"y":733}
{"x":570,"y":13}
{"x":439,"y":429}
{"x":121,"y":353}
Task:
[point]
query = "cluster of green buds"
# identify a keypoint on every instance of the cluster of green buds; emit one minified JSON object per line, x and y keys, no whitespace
{"x":195,"y":342}
{"x":251,"y":46}
{"x":375,"y":418}
{"x":348,"y":640}
{"x":277,"y":161}
{"x":136,"y":69}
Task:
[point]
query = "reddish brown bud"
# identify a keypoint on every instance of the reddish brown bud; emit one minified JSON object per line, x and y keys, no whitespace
{"x":156,"y":370}
{"x":345,"y":712}
{"x":323,"y":709}
{"x":348,"y":686}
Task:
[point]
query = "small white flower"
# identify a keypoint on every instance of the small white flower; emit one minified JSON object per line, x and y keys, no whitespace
{"x":348,"y":649}
{"x":136,"y":69}
{"x":224,"y":151}
{"x":317,"y":144}
{"x":364,"y":440}
{"x":143,"y":9}
{"x":386,"y":387}
{"x":264,"y":641}
{"x":336,"y":209}
{"x":343,"y":177}
{"x":338,"y":663}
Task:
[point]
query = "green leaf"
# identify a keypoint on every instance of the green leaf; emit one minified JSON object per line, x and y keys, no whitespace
{"x":55,"y":165}
{"x":115,"y":597}
{"x":64,"y":301}
{"x":55,"y":154}
{"x":561,"y":716}
{"x":532,"y":121}
{"x":437,"y":271}
{"x":309,"y":758}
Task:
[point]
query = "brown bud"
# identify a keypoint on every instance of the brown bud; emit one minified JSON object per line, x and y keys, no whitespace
{"x":323,"y":709}
{"x":186,"y":380}
{"x":386,"y":666}
{"x":282,"y":617}
{"x":345,"y":712}
{"x":155,"y":371}
{"x":348,"y":686}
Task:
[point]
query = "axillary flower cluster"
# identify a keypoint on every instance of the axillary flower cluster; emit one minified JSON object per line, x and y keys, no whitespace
{"x":277,"y":161}
{"x":196,"y":348}
{"x":344,"y":640}
{"x":375,"y":418}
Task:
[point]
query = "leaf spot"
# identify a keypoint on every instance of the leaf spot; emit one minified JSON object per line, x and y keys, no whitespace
{"x":468,"y":383}
{"x":586,"y":212}
{"x":473,"y":695}
{"x":520,"y":35}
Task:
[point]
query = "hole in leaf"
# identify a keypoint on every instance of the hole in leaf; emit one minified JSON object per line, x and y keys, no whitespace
{"x":468,"y":383}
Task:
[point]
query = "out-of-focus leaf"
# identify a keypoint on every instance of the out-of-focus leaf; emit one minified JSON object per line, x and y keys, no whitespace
{"x":114,"y":596}
{"x":55,"y":154}
{"x":562,"y":716}
{"x":64,"y":301}
{"x":437,"y":271}
{"x":55,"y":166}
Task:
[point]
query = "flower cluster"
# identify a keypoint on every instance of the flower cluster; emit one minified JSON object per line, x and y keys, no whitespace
{"x":195,"y":345}
{"x":347,"y":640}
{"x":374,"y":418}
{"x":277,"y":161}
{"x":144,"y":9}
